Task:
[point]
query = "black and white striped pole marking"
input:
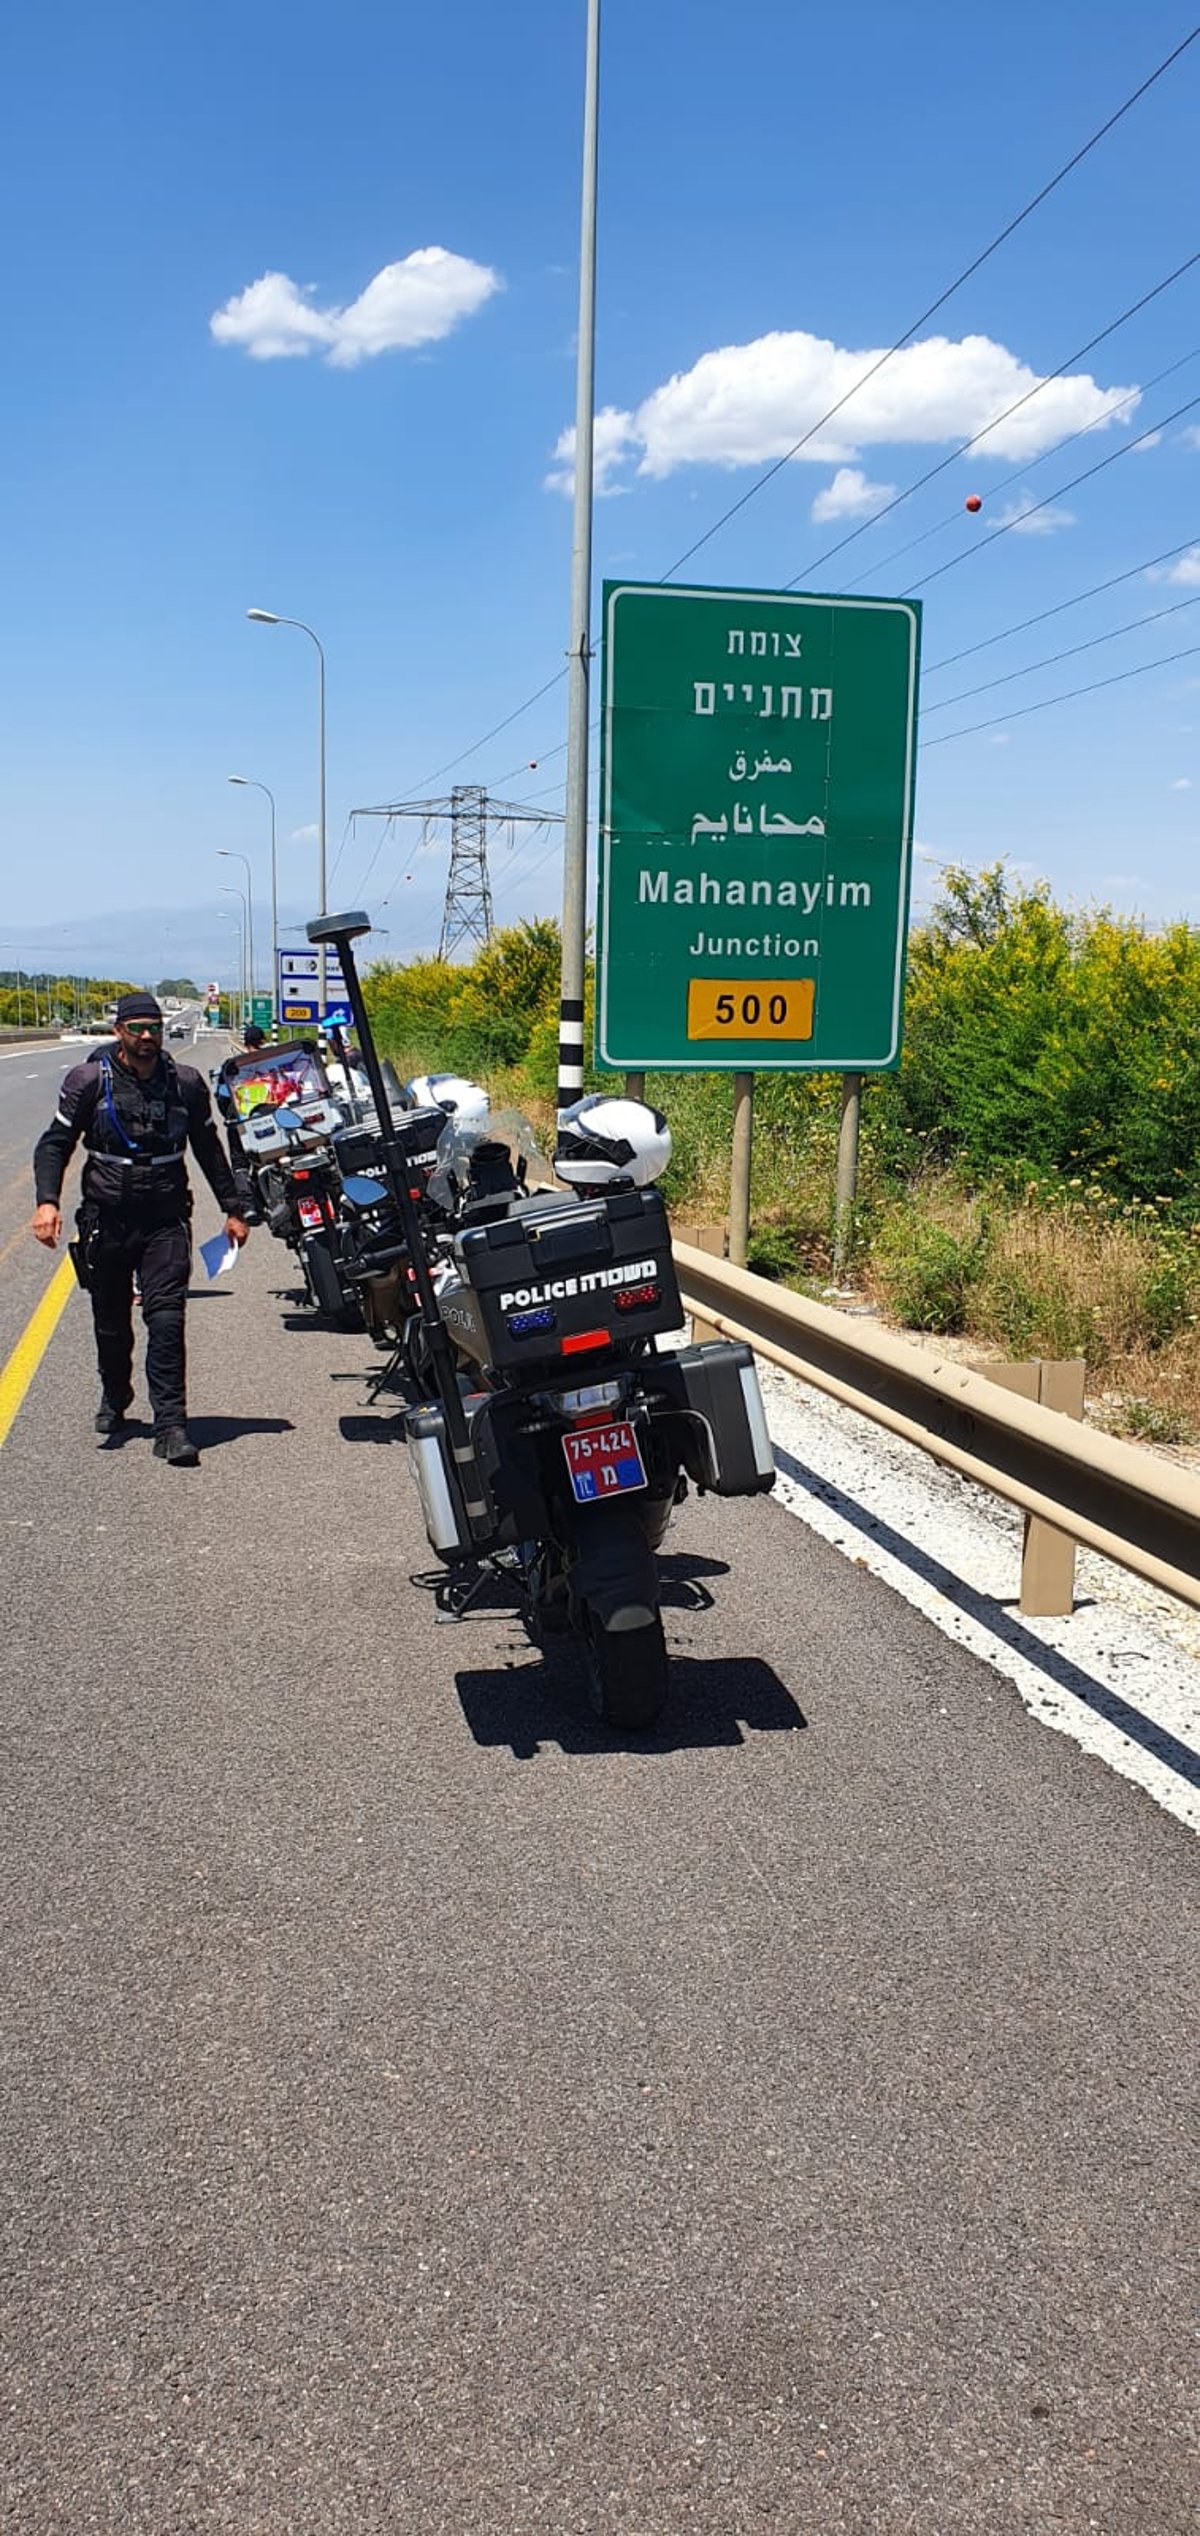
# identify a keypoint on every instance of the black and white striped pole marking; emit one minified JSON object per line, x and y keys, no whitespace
{"x":570,"y":1050}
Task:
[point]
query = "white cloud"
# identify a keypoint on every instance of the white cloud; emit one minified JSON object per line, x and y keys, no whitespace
{"x":612,"y":440}
{"x":850,"y":496}
{"x":1023,"y":515}
{"x":304,"y":836}
{"x":1182,"y":783}
{"x":1190,"y":437}
{"x":1185,"y":570}
{"x":748,"y":403}
{"x":416,"y":301}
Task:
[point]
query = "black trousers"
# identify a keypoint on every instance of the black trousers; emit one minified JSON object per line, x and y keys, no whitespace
{"x":161,"y":1254}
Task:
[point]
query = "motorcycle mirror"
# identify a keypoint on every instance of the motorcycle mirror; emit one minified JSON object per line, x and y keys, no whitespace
{"x":338,"y":928}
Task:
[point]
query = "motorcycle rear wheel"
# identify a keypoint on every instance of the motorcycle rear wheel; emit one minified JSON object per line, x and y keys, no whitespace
{"x":628,"y":1672}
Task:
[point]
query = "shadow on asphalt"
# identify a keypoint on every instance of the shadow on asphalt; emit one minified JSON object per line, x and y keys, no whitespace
{"x":525,"y":1705}
{"x":368,"y":1429}
{"x":207,"y":1433}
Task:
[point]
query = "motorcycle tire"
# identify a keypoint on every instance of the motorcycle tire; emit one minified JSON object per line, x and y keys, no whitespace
{"x":628,"y":1673}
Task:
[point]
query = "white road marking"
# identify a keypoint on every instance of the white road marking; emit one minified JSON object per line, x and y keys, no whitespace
{"x":1121,"y":1676}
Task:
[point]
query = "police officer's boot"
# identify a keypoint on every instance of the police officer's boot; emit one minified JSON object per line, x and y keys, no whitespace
{"x":176,"y":1446}
{"x":109,"y":1421}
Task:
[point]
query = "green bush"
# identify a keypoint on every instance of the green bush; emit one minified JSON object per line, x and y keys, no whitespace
{"x":928,"y":1269}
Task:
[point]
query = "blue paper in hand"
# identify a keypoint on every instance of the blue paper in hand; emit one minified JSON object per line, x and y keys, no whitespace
{"x":218,"y":1254}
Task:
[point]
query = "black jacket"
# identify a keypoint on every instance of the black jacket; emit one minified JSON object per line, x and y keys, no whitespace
{"x":135,"y":1139}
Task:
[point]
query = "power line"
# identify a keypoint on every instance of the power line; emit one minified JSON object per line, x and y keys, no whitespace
{"x":940,"y":302}
{"x":1071,"y":653}
{"x":953,"y":519}
{"x":1131,"y":574}
{"x":987,"y":429}
{"x":974,"y":267}
{"x":1066,"y":697}
{"x":511,"y":880}
{"x":1007,"y":526}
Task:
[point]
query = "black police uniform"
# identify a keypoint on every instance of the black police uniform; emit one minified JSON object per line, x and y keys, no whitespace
{"x":136,"y":1211}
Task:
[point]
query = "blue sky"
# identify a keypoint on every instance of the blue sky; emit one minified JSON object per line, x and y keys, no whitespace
{"x":782,"y":184}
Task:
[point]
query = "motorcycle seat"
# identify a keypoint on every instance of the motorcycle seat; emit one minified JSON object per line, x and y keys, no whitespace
{"x":360,"y":1195}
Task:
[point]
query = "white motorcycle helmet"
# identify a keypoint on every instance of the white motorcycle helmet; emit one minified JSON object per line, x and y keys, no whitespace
{"x":462,"y":1100}
{"x":602,"y":1141}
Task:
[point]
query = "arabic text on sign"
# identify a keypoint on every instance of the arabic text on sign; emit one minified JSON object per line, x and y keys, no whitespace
{"x":770,"y":824}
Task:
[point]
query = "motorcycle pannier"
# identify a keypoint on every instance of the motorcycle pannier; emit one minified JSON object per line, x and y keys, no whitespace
{"x":555,"y":1271}
{"x":432,"y":1466}
{"x":728,"y":1447}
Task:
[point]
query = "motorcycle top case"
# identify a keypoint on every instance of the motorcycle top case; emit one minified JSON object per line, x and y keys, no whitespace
{"x":554,"y":1270}
{"x":359,"y":1147}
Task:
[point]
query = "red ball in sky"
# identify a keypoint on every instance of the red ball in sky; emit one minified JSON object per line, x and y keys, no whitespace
{"x":974,"y":502}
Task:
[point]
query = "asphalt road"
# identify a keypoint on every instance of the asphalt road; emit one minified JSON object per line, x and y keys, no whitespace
{"x":420,"y":2114}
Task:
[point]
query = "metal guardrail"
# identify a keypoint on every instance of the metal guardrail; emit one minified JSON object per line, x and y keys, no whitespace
{"x":1116,"y":1498}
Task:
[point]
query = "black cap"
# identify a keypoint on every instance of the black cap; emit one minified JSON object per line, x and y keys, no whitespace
{"x":255,"y":1037}
{"x":140,"y":1007}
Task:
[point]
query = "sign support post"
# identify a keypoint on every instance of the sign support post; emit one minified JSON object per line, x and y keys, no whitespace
{"x":847,"y":1170}
{"x":739,"y":1176}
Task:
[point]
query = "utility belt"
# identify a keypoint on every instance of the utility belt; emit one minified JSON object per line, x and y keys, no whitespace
{"x":143,"y":1201}
{"x":140,"y":1183}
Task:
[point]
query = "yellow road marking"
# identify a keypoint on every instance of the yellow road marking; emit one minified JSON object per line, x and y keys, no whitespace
{"x":32,"y":1345}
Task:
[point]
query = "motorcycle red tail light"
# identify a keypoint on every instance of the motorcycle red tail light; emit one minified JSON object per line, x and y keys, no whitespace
{"x":583,"y":1339}
{"x":638,"y":1298}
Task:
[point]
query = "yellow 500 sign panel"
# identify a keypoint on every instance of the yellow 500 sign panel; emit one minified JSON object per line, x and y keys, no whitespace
{"x":772,"y":1008}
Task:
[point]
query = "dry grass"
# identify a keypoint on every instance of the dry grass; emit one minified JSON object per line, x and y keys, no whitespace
{"x":1066,"y":1278}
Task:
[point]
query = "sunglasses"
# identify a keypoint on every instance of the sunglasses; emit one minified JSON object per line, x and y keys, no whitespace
{"x":142,"y":1029}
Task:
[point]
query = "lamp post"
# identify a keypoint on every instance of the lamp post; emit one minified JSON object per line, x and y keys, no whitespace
{"x":251,"y":783}
{"x":263,"y":616}
{"x":228,"y":855}
{"x":240,"y":895}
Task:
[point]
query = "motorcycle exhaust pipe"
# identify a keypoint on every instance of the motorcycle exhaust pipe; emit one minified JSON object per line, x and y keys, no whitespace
{"x":343,"y":931}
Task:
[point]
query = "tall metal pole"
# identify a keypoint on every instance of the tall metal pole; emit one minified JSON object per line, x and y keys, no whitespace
{"x":322,"y":997}
{"x":229,"y":854}
{"x":250,"y":783}
{"x":239,"y":894}
{"x":264,"y":616}
{"x":574,"y":902}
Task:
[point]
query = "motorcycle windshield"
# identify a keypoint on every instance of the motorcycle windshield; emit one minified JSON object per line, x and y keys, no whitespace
{"x":481,"y":1155}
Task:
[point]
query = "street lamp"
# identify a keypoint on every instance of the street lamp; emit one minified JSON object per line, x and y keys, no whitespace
{"x":238,"y":920}
{"x":228,"y":855}
{"x":263,"y":616}
{"x":252,"y":784}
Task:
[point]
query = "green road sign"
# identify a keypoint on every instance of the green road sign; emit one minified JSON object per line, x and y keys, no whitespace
{"x":260,"y":1010}
{"x":756,"y":791}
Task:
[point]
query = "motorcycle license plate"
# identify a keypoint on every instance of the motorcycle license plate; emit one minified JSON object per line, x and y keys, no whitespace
{"x":603,"y":1460}
{"x":311,"y":1213}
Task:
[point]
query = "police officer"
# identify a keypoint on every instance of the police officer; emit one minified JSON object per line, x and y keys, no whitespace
{"x":136,"y":1111}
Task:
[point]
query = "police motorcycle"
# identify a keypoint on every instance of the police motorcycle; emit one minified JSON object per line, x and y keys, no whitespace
{"x":289,"y":1156}
{"x":368,"y":1243}
{"x":302,"y":1138}
{"x":557,"y":1436}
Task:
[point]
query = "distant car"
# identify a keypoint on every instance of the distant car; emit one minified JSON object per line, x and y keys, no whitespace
{"x":177,"y":1031}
